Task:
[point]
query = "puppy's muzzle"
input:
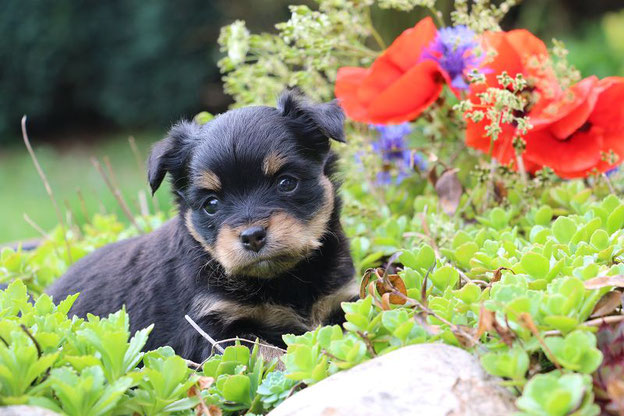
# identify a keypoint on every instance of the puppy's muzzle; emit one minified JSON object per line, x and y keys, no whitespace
{"x":254,"y":238}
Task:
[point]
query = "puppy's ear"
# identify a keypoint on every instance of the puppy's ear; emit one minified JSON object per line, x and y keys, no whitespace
{"x":172,"y":154}
{"x":316,"y":123}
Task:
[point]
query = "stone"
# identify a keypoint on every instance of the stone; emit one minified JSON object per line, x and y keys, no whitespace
{"x":24,"y":410}
{"x":424,"y":379}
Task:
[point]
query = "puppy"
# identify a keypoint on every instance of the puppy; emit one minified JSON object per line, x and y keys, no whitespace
{"x":257,"y":249}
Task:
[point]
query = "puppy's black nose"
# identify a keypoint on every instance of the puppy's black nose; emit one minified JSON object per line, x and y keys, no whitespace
{"x":253,"y":238}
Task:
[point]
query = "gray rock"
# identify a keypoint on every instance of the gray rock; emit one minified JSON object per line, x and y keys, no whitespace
{"x":24,"y":410}
{"x":426,"y":379}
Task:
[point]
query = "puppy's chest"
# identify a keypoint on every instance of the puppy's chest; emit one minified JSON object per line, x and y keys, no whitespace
{"x":319,"y":311}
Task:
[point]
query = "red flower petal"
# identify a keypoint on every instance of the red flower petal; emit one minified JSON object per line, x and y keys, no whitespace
{"x":568,"y":111}
{"x":526,"y":43}
{"x":407,"y":49}
{"x":348,"y":81}
{"x":609,"y":110}
{"x":409,"y":96}
{"x":503,"y":149}
{"x":398,"y":86}
{"x":579,"y":153}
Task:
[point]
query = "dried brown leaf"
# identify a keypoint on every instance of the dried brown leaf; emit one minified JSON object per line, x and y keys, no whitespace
{"x":498,"y":273}
{"x":385,"y":301}
{"x":486,"y":321}
{"x":433,"y":175}
{"x":449,"y":191}
{"x":604,"y":281}
{"x":205,"y":382}
{"x":393,"y":283}
{"x":607,"y":304}
{"x":506,"y":334}
{"x":365,"y":280}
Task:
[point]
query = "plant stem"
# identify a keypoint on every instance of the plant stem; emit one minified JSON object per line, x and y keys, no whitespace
{"x":437,"y":17}
{"x":376,"y":35}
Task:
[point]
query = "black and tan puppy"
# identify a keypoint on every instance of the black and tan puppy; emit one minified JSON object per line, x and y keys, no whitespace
{"x":257,"y":249}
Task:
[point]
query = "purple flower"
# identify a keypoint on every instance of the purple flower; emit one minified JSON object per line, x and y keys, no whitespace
{"x":612,"y":172}
{"x":391,"y":143}
{"x":394,"y":152}
{"x":452,"y":49}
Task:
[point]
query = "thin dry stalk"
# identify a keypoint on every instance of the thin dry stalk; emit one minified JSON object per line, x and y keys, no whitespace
{"x":215,"y":344}
{"x":137,"y":154}
{"x":143,"y":207}
{"x":116,"y":194}
{"x":83,"y":205}
{"x":72,"y":219}
{"x":36,"y":226}
{"x":609,"y":184}
{"x":142,"y":168}
{"x":46,"y":184}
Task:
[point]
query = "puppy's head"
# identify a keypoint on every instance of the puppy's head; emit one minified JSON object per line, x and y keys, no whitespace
{"x":252,"y":184}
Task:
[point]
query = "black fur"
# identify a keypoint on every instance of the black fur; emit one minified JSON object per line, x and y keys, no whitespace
{"x":166,"y":274}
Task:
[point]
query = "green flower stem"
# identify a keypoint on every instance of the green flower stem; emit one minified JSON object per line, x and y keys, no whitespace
{"x":374,"y":32}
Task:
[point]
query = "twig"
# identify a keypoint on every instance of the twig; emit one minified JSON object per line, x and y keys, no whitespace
{"x":141,"y":164}
{"x":37,"y":228}
{"x":262,"y":344}
{"x":425,"y":309}
{"x":526,"y":319}
{"x":116,"y":194}
{"x":369,"y":344}
{"x":193,"y":364}
{"x":376,"y":35}
{"x":609,"y":184}
{"x":72,"y":219}
{"x":425,"y":226}
{"x":83,"y":206}
{"x":4,"y":342}
{"x":137,"y":154}
{"x":593,"y":322}
{"x":143,"y":207}
{"x":214,"y":343}
{"x":39,"y":352}
{"x":466,"y":279}
{"x":46,"y":184}
{"x":521,"y":168}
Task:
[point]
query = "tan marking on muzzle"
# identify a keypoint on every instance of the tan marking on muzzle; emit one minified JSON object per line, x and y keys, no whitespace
{"x":298,"y":237}
{"x":286,"y":236}
{"x":209,"y":180}
{"x":272,"y":163}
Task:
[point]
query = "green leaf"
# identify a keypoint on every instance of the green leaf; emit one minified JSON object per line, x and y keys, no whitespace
{"x":535,"y":264}
{"x":563,"y":229}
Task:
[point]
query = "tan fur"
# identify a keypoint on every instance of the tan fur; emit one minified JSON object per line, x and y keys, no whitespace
{"x":325,"y":306}
{"x":272,"y":163}
{"x":188,"y":221}
{"x":267,"y":313}
{"x":276,"y":315}
{"x":288,"y":237}
{"x":208,"y":180}
{"x":298,"y":237}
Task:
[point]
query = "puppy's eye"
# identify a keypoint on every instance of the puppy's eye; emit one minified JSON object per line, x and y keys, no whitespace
{"x":211,"y":206}
{"x":287,"y":184}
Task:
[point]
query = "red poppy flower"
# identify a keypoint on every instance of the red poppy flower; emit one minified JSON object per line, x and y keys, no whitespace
{"x":574,"y":130}
{"x":399,"y":85}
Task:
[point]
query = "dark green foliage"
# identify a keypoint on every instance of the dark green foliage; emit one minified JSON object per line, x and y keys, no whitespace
{"x":123,"y":62}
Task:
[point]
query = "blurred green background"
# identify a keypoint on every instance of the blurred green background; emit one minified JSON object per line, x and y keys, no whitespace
{"x":90,"y":74}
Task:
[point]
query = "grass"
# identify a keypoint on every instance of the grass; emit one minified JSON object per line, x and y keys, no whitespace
{"x":69,"y":169}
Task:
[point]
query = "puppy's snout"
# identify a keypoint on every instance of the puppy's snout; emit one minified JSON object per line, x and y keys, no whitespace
{"x":253,"y":238}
